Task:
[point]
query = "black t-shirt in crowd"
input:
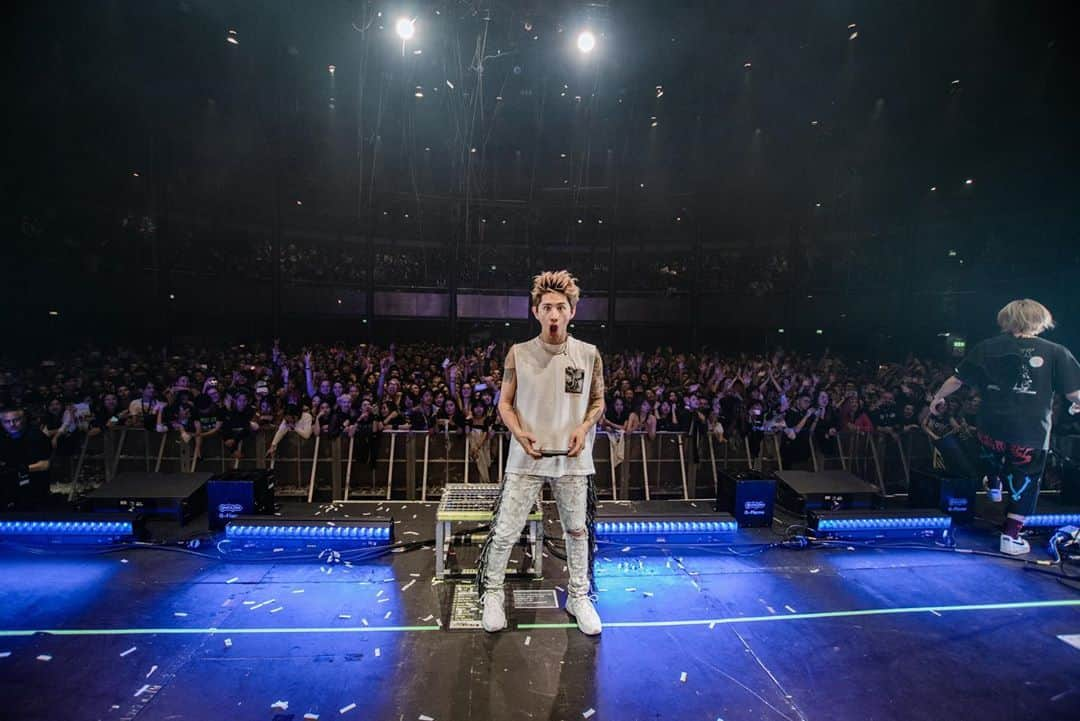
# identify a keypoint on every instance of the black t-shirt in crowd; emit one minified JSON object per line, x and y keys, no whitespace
{"x":1017,"y":378}
{"x":885,"y":416}
{"x":237,"y":424}
{"x":208,"y":414}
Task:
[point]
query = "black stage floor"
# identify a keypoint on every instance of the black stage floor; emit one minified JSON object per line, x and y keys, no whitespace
{"x":842,"y":633}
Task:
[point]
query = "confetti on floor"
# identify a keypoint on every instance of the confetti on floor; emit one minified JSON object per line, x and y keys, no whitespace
{"x":44,"y":657}
{"x":378,"y":652}
{"x":280,"y":705}
{"x":528,"y":639}
{"x":311,"y":717}
{"x":5,"y":654}
{"x":180,"y":614}
{"x":141,"y":691}
{"x":344,"y":616}
{"x":682,"y":677}
{"x":228,"y":643}
{"x":346,"y":709}
{"x":588,"y":712}
{"x":234,"y":579}
{"x":275,"y":610}
{"x":150,"y":672}
{"x":128,"y":652}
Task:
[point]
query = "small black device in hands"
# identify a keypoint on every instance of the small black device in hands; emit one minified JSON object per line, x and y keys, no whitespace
{"x":547,"y":454}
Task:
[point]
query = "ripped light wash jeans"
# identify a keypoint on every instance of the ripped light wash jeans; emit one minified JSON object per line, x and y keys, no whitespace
{"x":519,"y":493}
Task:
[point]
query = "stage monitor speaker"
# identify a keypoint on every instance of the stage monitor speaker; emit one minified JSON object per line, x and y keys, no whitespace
{"x":748,"y":496}
{"x":802,"y":491}
{"x":173,"y":496}
{"x":239,"y":493}
{"x":953,"y":495}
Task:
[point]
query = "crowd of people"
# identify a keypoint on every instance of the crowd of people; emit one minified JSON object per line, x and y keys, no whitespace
{"x":358,"y":391}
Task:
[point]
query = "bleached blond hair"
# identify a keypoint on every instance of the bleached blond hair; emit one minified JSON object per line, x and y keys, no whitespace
{"x":555,"y":281}
{"x":1025,"y":317}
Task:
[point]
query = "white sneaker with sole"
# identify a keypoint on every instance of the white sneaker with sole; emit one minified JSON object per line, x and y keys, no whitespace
{"x":583,"y":611}
{"x":1014,"y":546}
{"x":494,"y":618}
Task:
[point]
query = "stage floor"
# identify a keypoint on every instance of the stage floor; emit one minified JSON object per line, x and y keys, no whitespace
{"x":844,"y":633}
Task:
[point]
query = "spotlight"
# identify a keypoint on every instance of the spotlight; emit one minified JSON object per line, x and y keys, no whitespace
{"x":586,"y":41}
{"x":172,"y":296}
{"x":819,"y":331}
{"x":405,"y":28}
{"x":54,"y":313}
{"x":969,"y":181}
{"x":135,"y":174}
{"x":230,"y":37}
{"x":331,"y":68}
{"x":419,"y":92}
{"x":933,"y":188}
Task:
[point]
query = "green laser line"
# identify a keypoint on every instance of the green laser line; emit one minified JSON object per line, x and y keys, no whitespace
{"x":821,"y":614}
{"x":1064,"y":603}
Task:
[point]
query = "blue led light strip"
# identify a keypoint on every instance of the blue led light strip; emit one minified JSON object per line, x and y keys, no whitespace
{"x":66,"y":528}
{"x":359,"y":533}
{"x":619,"y":528}
{"x":883,"y":524}
{"x":1052,"y":520}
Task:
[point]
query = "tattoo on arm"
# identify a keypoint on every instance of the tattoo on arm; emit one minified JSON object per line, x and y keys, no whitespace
{"x":596,"y":394}
{"x":509,"y":375}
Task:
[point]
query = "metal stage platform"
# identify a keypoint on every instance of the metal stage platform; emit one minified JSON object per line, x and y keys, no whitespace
{"x":737,"y":630}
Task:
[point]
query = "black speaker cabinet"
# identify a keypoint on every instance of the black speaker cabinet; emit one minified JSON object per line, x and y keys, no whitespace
{"x":239,"y":493}
{"x":748,"y":496}
{"x":951,"y":494}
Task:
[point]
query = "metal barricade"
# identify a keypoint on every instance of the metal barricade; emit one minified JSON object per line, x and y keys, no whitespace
{"x":416,"y":465}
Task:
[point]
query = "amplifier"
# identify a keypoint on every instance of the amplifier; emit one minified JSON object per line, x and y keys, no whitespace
{"x":748,"y":496}
{"x":239,"y":493}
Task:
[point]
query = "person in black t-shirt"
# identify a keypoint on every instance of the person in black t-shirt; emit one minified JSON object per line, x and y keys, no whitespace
{"x":1017,"y":374}
{"x":24,"y":463}
{"x":238,"y":424}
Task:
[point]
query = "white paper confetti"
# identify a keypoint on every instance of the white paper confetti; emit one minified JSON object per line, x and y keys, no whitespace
{"x":387,"y":615}
{"x":378,"y":652}
{"x":647,"y":594}
{"x":128,"y":652}
{"x":311,"y":717}
{"x":815,"y":570}
{"x":234,"y":579}
{"x":427,"y":617}
{"x":682,"y":677}
{"x":712,"y":625}
{"x":528,"y":640}
{"x":278,"y":550}
{"x":383,"y":600}
{"x":5,"y":654}
{"x":275,"y":610}
{"x":228,"y":643}
{"x":364,"y":621}
{"x":123,"y":560}
{"x":588,"y":713}
{"x":380,"y":593}
{"x":415,"y":575}
{"x":410,"y":533}
{"x":790,"y":609}
{"x":141,"y":691}
{"x":280,"y":705}
{"x":44,"y":657}
{"x":346,"y":709}
{"x":345,"y":616}
{"x":298,"y":590}
{"x":180,"y":614}
{"x":422,"y":717}
{"x":631,"y":589}
{"x":150,"y":672}
{"x":625,"y":549}
{"x":408,"y":585}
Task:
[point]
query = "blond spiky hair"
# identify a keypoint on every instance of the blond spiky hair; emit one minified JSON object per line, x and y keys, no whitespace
{"x":555,"y":281}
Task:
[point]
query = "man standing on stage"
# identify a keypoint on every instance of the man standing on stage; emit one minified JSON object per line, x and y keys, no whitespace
{"x":551,"y":399}
{"x":1017,"y":373}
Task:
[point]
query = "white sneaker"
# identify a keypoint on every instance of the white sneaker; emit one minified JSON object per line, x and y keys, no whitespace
{"x":582,"y":609}
{"x":1014,"y":546}
{"x":993,"y":492}
{"x":494,"y":616}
